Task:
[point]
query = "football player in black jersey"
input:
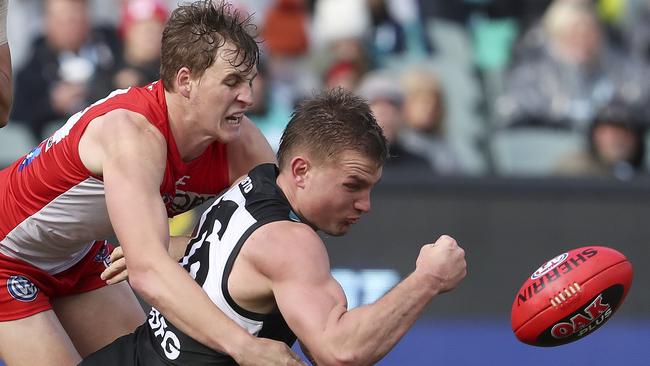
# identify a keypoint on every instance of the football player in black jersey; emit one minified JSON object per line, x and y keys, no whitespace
{"x":257,"y":254}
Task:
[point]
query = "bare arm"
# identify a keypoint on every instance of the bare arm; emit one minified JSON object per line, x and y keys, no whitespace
{"x":132,"y":160}
{"x":314,"y":305}
{"x":6,"y":92}
{"x":250,"y":150}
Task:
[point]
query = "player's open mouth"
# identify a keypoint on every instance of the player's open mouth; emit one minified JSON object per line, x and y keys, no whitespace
{"x":234,"y":119}
{"x":352,"y":220}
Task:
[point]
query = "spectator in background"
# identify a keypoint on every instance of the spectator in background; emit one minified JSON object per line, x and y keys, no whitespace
{"x":343,"y":73}
{"x":284,"y":30}
{"x":53,"y":83}
{"x":341,"y":31}
{"x":397,"y":34}
{"x":285,"y":45}
{"x":424,"y":116}
{"x":616,"y":147}
{"x":386,"y":98}
{"x":575,"y":75}
{"x":140,"y":29}
{"x":388,"y":37}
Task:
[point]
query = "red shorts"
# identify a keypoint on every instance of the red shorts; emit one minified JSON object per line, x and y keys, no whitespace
{"x":26,"y":290}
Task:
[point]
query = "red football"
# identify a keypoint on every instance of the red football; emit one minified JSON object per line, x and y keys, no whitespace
{"x":570,"y":296}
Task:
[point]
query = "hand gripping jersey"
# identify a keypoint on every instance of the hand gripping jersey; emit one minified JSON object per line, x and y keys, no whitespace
{"x":53,"y":208}
{"x":222,"y":231}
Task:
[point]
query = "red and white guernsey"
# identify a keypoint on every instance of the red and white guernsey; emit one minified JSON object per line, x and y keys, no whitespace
{"x":53,"y":208}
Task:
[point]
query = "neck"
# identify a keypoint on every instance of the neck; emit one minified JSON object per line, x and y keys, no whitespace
{"x":191,"y":143}
{"x":284,"y":183}
{"x":288,"y":188}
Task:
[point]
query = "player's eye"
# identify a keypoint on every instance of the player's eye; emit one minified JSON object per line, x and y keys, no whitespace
{"x":352,"y":187}
{"x":232,"y":81}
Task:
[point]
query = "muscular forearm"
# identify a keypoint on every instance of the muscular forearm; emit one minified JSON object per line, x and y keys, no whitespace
{"x":364,"y":335}
{"x":166,"y":286}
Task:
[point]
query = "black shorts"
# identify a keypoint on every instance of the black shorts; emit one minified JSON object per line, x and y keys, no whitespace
{"x":137,"y":349}
{"x":127,"y":350}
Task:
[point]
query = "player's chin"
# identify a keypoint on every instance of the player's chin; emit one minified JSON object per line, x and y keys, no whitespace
{"x":229,"y":132}
{"x":339,"y":229}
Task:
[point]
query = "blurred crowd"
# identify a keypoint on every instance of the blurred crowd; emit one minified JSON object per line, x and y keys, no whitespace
{"x":461,"y":88}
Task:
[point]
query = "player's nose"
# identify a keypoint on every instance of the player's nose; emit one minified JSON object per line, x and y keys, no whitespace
{"x":363,"y":204}
{"x":246,"y":95}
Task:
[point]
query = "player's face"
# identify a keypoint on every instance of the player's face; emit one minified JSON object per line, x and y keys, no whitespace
{"x":338,"y":192}
{"x":222,"y":95}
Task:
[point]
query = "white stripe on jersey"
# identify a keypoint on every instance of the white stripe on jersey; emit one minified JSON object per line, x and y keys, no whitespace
{"x":56,"y":237}
{"x":64,"y":130}
{"x":220,"y":251}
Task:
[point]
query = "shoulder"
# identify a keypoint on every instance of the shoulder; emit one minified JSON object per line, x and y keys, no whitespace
{"x":287,"y":235}
{"x":279,"y":248}
{"x":124,"y":123}
{"x":120,"y":133}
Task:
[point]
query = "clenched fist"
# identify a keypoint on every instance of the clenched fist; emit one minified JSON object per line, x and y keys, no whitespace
{"x":443,"y":262}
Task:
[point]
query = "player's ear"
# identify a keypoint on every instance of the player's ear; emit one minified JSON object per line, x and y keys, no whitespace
{"x":183,"y":81}
{"x":299,"y":170}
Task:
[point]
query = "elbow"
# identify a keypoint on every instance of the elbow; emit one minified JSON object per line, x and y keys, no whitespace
{"x":344,"y":349}
{"x":144,"y":282}
{"x":341,"y":357}
{"x":348,"y":359}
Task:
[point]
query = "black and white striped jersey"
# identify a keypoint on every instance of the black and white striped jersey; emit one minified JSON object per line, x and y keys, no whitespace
{"x":209,"y":257}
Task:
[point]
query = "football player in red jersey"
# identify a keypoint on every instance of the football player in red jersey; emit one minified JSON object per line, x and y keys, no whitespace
{"x":122,"y":166}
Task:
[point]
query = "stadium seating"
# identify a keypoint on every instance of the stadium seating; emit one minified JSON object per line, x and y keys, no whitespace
{"x":530,"y":151}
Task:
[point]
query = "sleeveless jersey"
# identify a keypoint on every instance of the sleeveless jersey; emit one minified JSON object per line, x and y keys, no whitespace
{"x":222,"y":231}
{"x":53,"y":208}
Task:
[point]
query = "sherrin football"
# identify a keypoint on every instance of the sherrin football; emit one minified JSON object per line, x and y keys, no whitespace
{"x":571,"y":296}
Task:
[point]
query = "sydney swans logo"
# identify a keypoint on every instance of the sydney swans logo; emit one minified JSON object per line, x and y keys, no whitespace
{"x":21,"y":288}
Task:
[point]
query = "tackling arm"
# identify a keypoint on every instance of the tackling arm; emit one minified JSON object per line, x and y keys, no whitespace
{"x":133,"y":161}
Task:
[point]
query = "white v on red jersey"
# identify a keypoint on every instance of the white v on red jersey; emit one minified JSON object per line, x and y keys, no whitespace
{"x":54,"y":209}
